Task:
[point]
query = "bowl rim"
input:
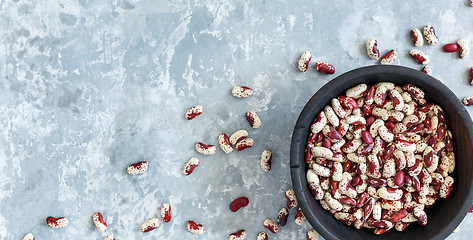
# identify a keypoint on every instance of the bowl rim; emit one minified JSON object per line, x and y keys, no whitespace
{"x":300,"y":129}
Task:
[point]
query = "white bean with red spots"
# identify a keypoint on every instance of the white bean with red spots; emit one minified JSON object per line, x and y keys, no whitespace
{"x":321,"y":170}
{"x":389,"y":193}
{"x":205,"y":149}
{"x":224,"y":143}
{"x":337,"y":172}
{"x":357,"y":91}
{"x":332,"y":202}
{"x":193,"y":112}
{"x":241,"y":91}
{"x":385,"y":134}
{"x":312,"y":177}
{"x":266,"y":160}
{"x":372,"y":49}
{"x":380,"y":113}
{"x":338,"y":108}
{"x":389,"y":58}
{"x":150,"y":225}
{"x":417,"y":37}
{"x":253,"y":119}
{"x":430,"y":36}
{"x":244,"y":144}
{"x":303,"y":63}
{"x":464,"y":48}
{"x":237,"y":136}
{"x":137,"y":168}
{"x":420,"y":56}
{"x":312,"y":235}
{"x":331,"y":116}
{"x":319,"y":124}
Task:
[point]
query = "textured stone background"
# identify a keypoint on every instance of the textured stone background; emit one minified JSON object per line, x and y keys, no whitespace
{"x":89,"y":87}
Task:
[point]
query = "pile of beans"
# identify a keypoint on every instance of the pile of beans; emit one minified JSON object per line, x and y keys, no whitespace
{"x":379,"y":155}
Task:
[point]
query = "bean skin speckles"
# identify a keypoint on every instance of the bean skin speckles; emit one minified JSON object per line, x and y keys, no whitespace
{"x":464,"y":48}
{"x":467,"y":101}
{"x":420,"y":56}
{"x":304,"y":61}
{"x":60,"y":222}
{"x":324,"y":67}
{"x":417,"y":38}
{"x":224,"y":143}
{"x":266,"y":160}
{"x":389,"y":58}
{"x":372,"y":49}
{"x":195,"y":228}
{"x":241,"y":91}
{"x":430,"y":36}
{"x":150,"y":225}
{"x":205,"y":149}
{"x":253,"y":119}
{"x":137,"y":168}
{"x":193,"y":112}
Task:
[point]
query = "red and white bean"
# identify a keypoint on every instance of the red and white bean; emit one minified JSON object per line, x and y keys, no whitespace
{"x":193,"y":112}
{"x":266,"y":160}
{"x":262,"y":236}
{"x":389,"y":58}
{"x":420,"y":56}
{"x":332,"y":202}
{"x":253,"y":119}
{"x":427,"y":70}
{"x":150,"y":225}
{"x":224,"y":143}
{"x":190,"y":166}
{"x":59,"y":222}
{"x":244,"y":144}
{"x":417,"y":38}
{"x":464,"y":48}
{"x":331,"y":116}
{"x":166,"y":212}
{"x":271,"y":225}
{"x":304,"y":61}
{"x":319,"y":124}
{"x":291,"y":200}
{"x":137,"y":168}
{"x":430,"y":36}
{"x":299,"y":218}
{"x":241,"y":91}
{"x":357,"y":91}
{"x":312,"y":235}
{"x":240,"y":235}
{"x":195,"y":228}
{"x":446,"y":188}
{"x":99,"y":222}
{"x":324,"y":67}
{"x":237,"y":136}
{"x":372,"y":49}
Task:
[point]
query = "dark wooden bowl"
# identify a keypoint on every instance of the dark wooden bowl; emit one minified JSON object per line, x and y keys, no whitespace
{"x":446,"y":214}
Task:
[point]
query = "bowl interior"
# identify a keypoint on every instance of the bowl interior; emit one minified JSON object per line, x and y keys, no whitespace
{"x":445,"y":214}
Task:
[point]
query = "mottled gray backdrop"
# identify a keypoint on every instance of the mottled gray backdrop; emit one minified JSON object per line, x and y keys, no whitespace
{"x":89,"y":87}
